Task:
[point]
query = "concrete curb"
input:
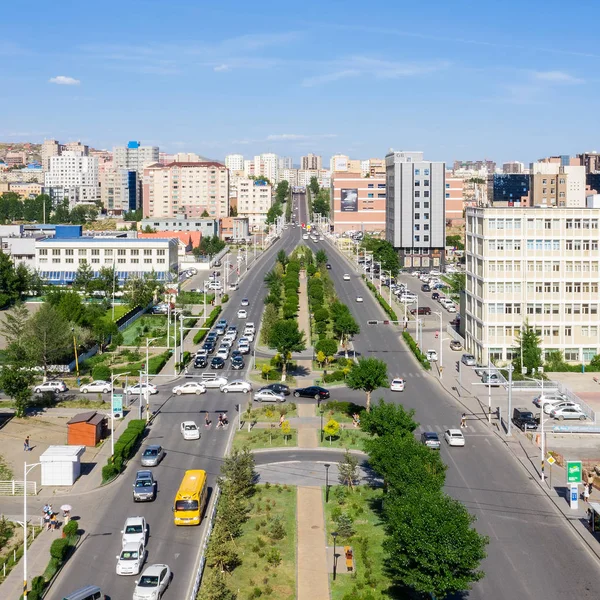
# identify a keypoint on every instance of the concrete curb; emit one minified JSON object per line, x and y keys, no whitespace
{"x":298,"y":449}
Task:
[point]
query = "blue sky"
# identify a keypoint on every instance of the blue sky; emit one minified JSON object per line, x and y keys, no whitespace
{"x":515,"y":81}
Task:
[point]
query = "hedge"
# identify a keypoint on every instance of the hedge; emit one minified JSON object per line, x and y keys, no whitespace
{"x":335,"y":376}
{"x":210,"y":321}
{"x":125,"y":447}
{"x":225,"y":298}
{"x":156,"y":363}
{"x":416,"y":350}
{"x":386,"y":307}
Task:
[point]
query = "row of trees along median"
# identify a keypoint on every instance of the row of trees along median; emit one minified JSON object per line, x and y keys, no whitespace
{"x":279,"y":328}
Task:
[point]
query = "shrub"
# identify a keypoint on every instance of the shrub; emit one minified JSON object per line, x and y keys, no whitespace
{"x":321,"y":327}
{"x":276,"y":530}
{"x":415,"y":350}
{"x":311,"y":270}
{"x":156,"y":363}
{"x":210,"y":321}
{"x":59,"y":549}
{"x":273,"y":557}
{"x":101,"y":372}
{"x":328,"y":347}
{"x":225,"y":298}
{"x":342,"y":361}
{"x":109,"y":472}
{"x":321,"y":315}
{"x":386,"y":307}
{"x":70,"y":528}
{"x":335,"y":376}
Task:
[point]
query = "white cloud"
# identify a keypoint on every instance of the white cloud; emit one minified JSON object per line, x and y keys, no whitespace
{"x":221,"y":68}
{"x":556,"y":77}
{"x":64,"y":80}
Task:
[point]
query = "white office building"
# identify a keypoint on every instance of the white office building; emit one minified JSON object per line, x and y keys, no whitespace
{"x":234,"y":162}
{"x":534,"y":264}
{"x":74,"y":176}
{"x":254,"y":201}
{"x":416,"y":209}
{"x":267,"y":165}
{"x":134,"y":157}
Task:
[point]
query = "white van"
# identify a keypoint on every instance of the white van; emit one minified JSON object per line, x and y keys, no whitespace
{"x":89,"y":592}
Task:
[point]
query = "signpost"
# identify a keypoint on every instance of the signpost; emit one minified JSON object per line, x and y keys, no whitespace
{"x":550,"y":460}
{"x":117,"y":406}
{"x":574,"y":472}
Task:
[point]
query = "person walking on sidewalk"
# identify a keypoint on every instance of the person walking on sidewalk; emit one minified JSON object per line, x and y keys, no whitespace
{"x":206,"y":420}
{"x":463,"y":421}
{"x":26,"y":446}
{"x":281,"y":420}
{"x":586,"y":493}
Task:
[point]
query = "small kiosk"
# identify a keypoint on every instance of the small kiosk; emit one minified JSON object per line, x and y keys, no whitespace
{"x":61,"y":465}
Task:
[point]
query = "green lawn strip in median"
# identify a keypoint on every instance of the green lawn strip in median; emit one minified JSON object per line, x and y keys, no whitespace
{"x":363,"y":506}
{"x":258,"y":438}
{"x":340,"y":410}
{"x":259,"y":551}
{"x":268,"y":414}
{"x":349,"y":438}
{"x":86,"y":402}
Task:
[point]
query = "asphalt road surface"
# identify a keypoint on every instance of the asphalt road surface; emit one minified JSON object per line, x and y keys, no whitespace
{"x":533,"y":553}
{"x":104,"y":513}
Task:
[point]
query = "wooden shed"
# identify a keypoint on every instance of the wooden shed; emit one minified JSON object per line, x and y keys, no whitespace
{"x":87,"y":429}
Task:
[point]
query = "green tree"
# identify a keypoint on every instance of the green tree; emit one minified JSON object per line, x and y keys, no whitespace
{"x":344,"y":525}
{"x":214,"y":587}
{"x":321,"y":257}
{"x":273,"y":213}
{"x":282,"y":258}
{"x":103,"y":330}
{"x":383,"y":253}
{"x":106,"y":281}
{"x":16,"y":382}
{"x":221,"y":553}
{"x":12,"y":327}
{"x":348,"y":470}
{"x":133,"y":215}
{"x":321,"y":203}
{"x":282,"y":190}
{"x":386,"y":418}
{"x":233,"y":211}
{"x":313,"y":186}
{"x":84,"y":277}
{"x":14,"y":281}
{"x":286,"y":430}
{"x":368,"y":375}
{"x":140,"y":291}
{"x":457,"y":283}
{"x":269,"y":318}
{"x":237,"y":473}
{"x":327,"y":346}
{"x":345,"y":326}
{"x":47,"y":337}
{"x":286,"y":338}
{"x":456,"y":241}
{"x":529,"y":347}
{"x":331,"y":429}
{"x":431,"y":545}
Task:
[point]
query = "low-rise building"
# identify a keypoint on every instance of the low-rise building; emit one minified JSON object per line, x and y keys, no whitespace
{"x":206,"y":227}
{"x":235,"y":228}
{"x":119,"y":190}
{"x":538,"y":265}
{"x":186,"y":240}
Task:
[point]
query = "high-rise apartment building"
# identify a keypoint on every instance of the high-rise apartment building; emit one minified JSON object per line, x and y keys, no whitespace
{"x":135,"y":157}
{"x":52,"y":148}
{"x":186,"y":189}
{"x":285,"y":162}
{"x":552,"y":184}
{"x":72,"y":176}
{"x":311,"y":162}
{"x":119,"y":191}
{"x":267,"y":165}
{"x":234,"y":162}
{"x":513,"y":166}
{"x":454,"y":197}
{"x":254,"y":199}
{"x":249,"y":168}
{"x":534,"y":264}
{"x":289,"y":175}
{"x":590,"y":160}
{"x":415,"y":210}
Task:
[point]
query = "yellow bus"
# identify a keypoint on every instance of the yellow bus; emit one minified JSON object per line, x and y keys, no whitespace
{"x":190,"y":499}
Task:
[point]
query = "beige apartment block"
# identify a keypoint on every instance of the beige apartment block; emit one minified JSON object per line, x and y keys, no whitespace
{"x":534,"y":264}
{"x":254,"y":199}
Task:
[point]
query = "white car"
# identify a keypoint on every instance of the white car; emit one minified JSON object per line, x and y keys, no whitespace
{"x":346,"y":277}
{"x":249,"y":335}
{"x":268,"y":396}
{"x":223,"y":353}
{"x":153,"y":583}
{"x":242,"y":314}
{"x":202,"y":353}
{"x":244,"y":348}
{"x":214,"y":382}
{"x":131,"y":559}
{"x":213,"y":285}
{"x":141,"y":388}
{"x":408,"y":298}
{"x":553,"y":398}
{"x":451,"y":308}
{"x":305,"y":236}
{"x":227,"y":341}
{"x":550,"y":406}
{"x":51,"y":386}
{"x":249,"y":327}
{"x":359,"y":298}
{"x":568,"y":412}
{"x":245,"y":302}
{"x":454,"y":437}
{"x":238,"y":385}
{"x":191,"y":387}
{"x":189,"y":430}
{"x":432,"y":355}
{"x":397,"y":385}
{"x":134,"y":531}
{"x":100,"y":386}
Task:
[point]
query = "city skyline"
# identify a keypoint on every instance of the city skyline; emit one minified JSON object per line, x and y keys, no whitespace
{"x":292,"y":85}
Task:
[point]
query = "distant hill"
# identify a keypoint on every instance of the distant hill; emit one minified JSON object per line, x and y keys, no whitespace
{"x":34,"y":151}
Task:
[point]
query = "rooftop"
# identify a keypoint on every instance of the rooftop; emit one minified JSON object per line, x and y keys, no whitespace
{"x":115,"y":240}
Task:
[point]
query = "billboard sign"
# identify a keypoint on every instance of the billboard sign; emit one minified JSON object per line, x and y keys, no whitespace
{"x":574,"y":471}
{"x":349,"y":200}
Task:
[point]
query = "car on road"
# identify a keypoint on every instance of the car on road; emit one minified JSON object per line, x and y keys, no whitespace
{"x":100,"y":386}
{"x":305,"y":236}
{"x":268,"y":396}
{"x":431,"y":440}
{"x":134,"y":530}
{"x":552,"y":398}
{"x":490,"y":379}
{"x":249,"y":327}
{"x":524,"y":419}
{"x":346,"y":277}
{"x":202,"y":353}
{"x":313,"y":391}
{"x":160,"y":309}
{"x":131,"y":559}
{"x":209,"y":346}
{"x":245,"y":302}
{"x":454,"y":437}
{"x":191,"y":387}
{"x":359,"y":298}
{"x":328,"y":267}
{"x":422,"y":310}
{"x":568,"y":412}
{"x":451,"y":308}
{"x":56,"y":386}
{"x":218,"y":362}
{"x":200,"y":362}
{"x":455,"y":345}
{"x":237,"y":362}
{"x":142,"y":388}
{"x":152,"y":455}
{"x":212,"y":380}
{"x":233,"y":287}
{"x":397,"y":385}
{"x":408,"y":298}
{"x":237,"y":385}
{"x":425,"y":287}
{"x":550,"y":406}
{"x":153,"y":582}
{"x":144,"y":487}
{"x":278,"y":388}
{"x":432,"y":355}
{"x":223,"y":351}
{"x":435,"y":296}
{"x":468,"y":360}
{"x":242,"y":314}
{"x":189,"y":430}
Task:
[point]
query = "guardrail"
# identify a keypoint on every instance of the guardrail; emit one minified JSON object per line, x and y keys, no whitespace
{"x":15,"y":488}
{"x":202,"y":559}
{"x":36,"y":521}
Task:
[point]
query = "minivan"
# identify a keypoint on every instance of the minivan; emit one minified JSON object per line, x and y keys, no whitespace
{"x":89,"y":592}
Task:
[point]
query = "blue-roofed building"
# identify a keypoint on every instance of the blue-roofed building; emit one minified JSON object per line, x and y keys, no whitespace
{"x":57,"y":259}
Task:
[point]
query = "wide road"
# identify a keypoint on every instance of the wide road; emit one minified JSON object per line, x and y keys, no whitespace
{"x":105,"y":511}
{"x":533,"y":553}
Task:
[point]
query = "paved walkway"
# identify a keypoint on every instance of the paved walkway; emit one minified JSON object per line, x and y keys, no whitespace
{"x":307,"y":425}
{"x":304,"y":325}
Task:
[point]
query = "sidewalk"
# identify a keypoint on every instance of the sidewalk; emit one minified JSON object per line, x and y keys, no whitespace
{"x":304,"y":365}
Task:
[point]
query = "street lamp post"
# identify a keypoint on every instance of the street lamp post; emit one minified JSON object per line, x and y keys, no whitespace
{"x":75,"y":351}
{"x":334,"y":535}
{"x":509,"y":416}
{"x":112,"y":411}
{"x":26,"y":470}
{"x":148,"y":340}
{"x":441,"y":363}
{"x":326,"y":465}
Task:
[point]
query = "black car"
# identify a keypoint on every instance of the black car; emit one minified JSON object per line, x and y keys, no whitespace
{"x":212,"y":337}
{"x":435,"y":296}
{"x":200,"y":362}
{"x":313,"y":391}
{"x":425,"y":288}
{"x":524,"y":419}
{"x":236,"y":353}
{"x":209,"y":347}
{"x":217,"y":363}
{"x":278,"y":388}
{"x":237,"y":362}
{"x":328,"y":266}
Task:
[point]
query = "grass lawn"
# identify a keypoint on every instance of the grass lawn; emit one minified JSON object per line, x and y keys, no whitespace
{"x":364,"y":507}
{"x":347,"y":438}
{"x":85,"y":402}
{"x":340,"y":411}
{"x":270,"y":414}
{"x":263,"y":438}
{"x":151,"y":326}
{"x":120,"y":310}
{"x":254,"y":547}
